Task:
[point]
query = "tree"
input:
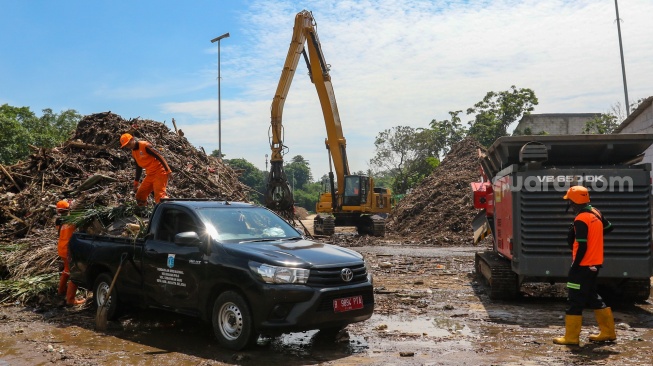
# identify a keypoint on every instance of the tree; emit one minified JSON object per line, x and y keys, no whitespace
{"x":604,"y":123}
{"x":447,"y":133}
{"x":249,"y":175}
{"x":21,"y":127}
{"x":497,"y":111}
{"x":408,"y":154}
{"x":298,"y":172}
{"x":14,"y":140}
{"x":216,"y":154}
{"x":307,"y":197}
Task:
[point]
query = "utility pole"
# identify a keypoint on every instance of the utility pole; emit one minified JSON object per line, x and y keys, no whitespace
{"x":623,"y":66}
{"x":217,"y":39}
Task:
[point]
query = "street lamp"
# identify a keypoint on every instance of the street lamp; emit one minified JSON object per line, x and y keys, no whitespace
{"x":621,"y":50}
{"x":217,"y":39}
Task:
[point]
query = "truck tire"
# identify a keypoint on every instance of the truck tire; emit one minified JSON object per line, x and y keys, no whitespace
{"x":232,"y":321}
{"x":100,"y":290}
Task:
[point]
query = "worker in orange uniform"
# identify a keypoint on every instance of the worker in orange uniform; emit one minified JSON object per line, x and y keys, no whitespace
{"x":156,"y":168}
{"x":65,"y":231}
{"x":585,"y":238}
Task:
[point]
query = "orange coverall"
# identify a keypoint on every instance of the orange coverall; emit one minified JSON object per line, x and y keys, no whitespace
{"x":156,"y":172}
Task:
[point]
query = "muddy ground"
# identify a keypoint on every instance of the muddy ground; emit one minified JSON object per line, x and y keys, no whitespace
{"x":430,"y":310}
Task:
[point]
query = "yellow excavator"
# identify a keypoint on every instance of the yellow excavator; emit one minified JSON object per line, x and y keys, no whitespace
{"x":351,"y":200}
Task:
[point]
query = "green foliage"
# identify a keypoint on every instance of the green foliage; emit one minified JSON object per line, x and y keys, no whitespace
{"x":497,"y":111}
{"x":408,"y":154}
{"x":250,"y":176}
{"x":216,"y":154}
{"x":27,"y":289}
{"x":83,"y":217}
{"x":527,"y":132}
{"x":308,"y":195}
{"x":604,"y":123}
{"x":298,"y":172}
{"x":14,"y":140}
{"x":21,"y":128}
{"x":446,"y":133}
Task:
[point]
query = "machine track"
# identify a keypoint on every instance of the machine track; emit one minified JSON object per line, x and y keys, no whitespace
{"x":324,"y":225}
{"x":496,"y":270}
{"x":373,"y":225}
{"x":636,"y":290}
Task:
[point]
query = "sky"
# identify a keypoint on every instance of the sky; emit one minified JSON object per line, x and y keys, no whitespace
{"x":393,"y":63}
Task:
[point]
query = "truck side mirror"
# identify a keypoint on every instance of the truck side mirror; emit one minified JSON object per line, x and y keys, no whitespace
{"x":187,"y":238}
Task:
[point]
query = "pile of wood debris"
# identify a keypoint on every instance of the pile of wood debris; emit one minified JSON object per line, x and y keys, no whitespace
{"x":440,"y":210}
{"x":93,"y":171}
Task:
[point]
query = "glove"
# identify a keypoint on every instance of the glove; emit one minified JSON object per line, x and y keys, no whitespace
{"x":136,"y":184}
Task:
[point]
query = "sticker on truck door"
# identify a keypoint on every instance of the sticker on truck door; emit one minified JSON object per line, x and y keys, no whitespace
{"x":170,"y":277}
{"x":171,"y":260}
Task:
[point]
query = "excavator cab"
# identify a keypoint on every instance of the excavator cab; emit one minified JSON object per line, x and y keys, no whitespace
{"x":355,"y":190}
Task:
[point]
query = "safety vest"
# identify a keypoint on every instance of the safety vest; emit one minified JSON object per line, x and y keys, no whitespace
{"x":146,"y":161}
{"x":594,"y":254}
{"x":65,"y":233}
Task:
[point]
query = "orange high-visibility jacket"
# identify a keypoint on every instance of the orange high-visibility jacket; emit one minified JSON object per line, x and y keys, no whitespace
{"x":589,"y":229}
{"x":149,"y":159}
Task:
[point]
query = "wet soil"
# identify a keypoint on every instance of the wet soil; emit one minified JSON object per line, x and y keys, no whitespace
{"x":430,"y":310}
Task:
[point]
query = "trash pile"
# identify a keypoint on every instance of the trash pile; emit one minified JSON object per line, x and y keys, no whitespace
{"x":440,"y":210}
{"x":91,"y":170}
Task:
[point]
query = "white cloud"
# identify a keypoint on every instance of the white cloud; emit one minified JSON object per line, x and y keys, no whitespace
{"x":408,"y":62}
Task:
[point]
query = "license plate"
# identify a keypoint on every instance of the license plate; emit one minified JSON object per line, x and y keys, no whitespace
{"x":348,"y":303}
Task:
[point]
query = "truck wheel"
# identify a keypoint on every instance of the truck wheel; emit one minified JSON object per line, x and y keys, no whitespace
{"x":232,"y":322}
{"x":100,"y":291}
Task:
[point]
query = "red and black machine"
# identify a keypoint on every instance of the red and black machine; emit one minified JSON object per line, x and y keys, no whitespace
{"x":523,"y":180}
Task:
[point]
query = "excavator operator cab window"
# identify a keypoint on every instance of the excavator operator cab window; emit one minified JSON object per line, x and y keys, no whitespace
{"x":355,"y":190}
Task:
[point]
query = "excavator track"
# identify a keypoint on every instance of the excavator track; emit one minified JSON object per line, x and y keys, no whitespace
{"x":324,"y":225}
{"x":496,"y":270}
{"x":373,"y":225}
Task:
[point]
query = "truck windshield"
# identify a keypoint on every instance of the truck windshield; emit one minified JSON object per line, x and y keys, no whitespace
{"x":245,"y":224}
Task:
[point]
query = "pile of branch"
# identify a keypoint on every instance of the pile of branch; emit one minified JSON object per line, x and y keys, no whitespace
{"x":97,"y":175}
{"x":440,"y":210}
{"x":92,"y":170}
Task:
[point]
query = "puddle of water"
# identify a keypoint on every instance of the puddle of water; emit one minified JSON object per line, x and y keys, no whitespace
{"x":431,"y":327}
{"x":312,"y":343}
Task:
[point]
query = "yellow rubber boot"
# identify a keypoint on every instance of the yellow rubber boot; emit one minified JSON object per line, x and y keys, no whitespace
{"x":606,"y":326}
{"x":70,"y":295}
{"x":573,"y":324}
{"x":62,"y":283}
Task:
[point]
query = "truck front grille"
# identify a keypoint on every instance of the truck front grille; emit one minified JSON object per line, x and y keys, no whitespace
{"x":332,"y":276}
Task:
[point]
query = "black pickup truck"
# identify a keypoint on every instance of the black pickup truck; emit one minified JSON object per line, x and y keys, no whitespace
{"x":236,"y":265}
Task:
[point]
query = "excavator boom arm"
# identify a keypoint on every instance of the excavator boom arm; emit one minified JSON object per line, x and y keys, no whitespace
{"x":304,"y":37}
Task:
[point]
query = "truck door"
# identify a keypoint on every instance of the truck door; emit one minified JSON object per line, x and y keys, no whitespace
{"x":173,"y":273}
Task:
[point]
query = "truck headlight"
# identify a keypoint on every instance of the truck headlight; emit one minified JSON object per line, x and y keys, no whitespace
{"x":274,"y":274}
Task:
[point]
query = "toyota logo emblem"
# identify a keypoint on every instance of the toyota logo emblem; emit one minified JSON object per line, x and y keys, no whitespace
{"x":346,"y":274}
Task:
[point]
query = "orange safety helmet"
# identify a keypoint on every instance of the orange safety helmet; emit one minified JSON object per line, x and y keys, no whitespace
{"x":124,"y":139}
{"x":63,"y":205}
{"x":578,"y":195}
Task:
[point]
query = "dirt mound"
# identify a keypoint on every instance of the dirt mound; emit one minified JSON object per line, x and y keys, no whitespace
{"x":439,"y":211}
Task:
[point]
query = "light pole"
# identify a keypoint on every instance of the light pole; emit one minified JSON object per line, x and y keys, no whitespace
{"x":217,"y":39}
{"x":623,"y":66}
